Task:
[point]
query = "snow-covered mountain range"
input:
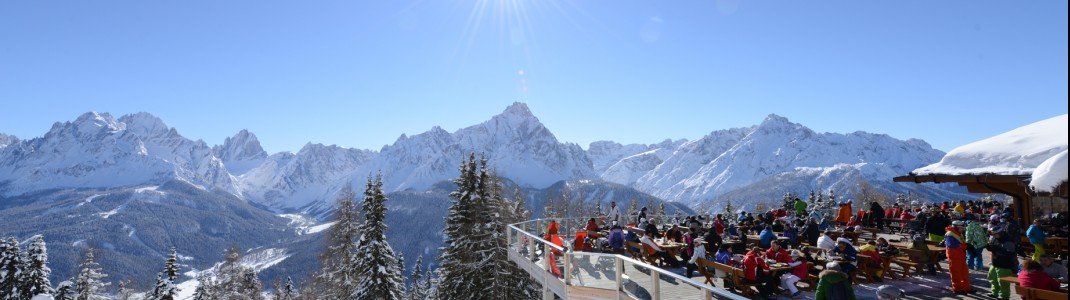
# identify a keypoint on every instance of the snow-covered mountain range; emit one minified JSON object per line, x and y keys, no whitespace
{"x":98,"y":151}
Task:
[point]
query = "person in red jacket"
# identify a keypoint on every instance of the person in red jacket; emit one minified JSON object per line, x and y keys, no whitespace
{"x":756,"y":271}
{"x":956,"y":258}
{"x":777,"y":253}
{"x":718,"y":224}
{"x":1034,"y":277}
{"x":799,"y":270}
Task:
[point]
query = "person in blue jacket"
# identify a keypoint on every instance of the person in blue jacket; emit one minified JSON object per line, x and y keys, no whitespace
{"x":1036,"y":237}
{"x":766,"y":237}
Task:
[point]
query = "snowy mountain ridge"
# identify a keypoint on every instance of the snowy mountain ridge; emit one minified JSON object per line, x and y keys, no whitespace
{"x":98,"y":151}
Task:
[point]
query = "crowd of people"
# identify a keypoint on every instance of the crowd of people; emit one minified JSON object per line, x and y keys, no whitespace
{"x":802,"y":241}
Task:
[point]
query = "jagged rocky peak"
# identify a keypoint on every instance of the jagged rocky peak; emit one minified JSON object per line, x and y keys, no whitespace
{"x":146,"y":124}
{"x":243,"y":145}
{"x":91,"y":123}
{"x":7,"y":140}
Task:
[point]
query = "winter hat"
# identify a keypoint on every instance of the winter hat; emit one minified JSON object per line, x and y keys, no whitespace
{"x":835,"y":266}
{"x":958,"y":223}
{"x":843,"y":240}
{"x":795,"y":253}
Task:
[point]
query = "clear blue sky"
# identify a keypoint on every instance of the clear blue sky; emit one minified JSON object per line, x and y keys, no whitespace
{"x":360,"y":73}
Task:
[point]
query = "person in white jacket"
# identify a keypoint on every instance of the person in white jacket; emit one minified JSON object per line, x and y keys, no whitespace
{"x":665,"y":256}
{"x":700,"y":252}
{"x":613,"y":214}
{"x":826,"y":242}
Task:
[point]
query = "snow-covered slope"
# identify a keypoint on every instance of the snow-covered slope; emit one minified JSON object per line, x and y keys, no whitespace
{"x":98,"y":151}
{"x":293,"y":181}
{"x":729,"y":159}
{"x":240,"y":153}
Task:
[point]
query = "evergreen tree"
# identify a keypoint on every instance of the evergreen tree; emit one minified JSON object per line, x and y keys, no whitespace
{"x":475,"y":261}
{"x":64,"y":291}
{"x":165,"y":288}
{"x":35,"y":276}
{"x":229,"y":282}
{"x":89,"y":284}
{"x":124,"y":292}
{"x":11,"y":267}
{"x":418,"y":288}
{"x":431,"y":281}
{"x":286,"y":291}
{"x":250,"y":286}
{"x":202,"y":292}
{"x":376,"y":264}
{"x":335,"y":279}
{"x":459,"y":256}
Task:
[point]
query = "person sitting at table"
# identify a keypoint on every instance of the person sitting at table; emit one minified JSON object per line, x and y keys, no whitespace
{"x":811,"y":231}
{"x":1057,"y":271}
{"x":874,"y":261}
{"x":695,"y":225}
{"x":642,"y":216}
{"x":766,"y":236}
{"x":760,"y":220}
{"x":799,"y":270}
{"x":834,"y":284}
{"x":616,"y":239}
{"x":713,"y":240}
{"x":718,"y":224}
{"x":592,"y":229}
{"x":651,"y":229}
{"x":919,"y":241}
{"x":847,"y":253}
{"x":699,"y":252}
{"x":732,"y":230}
{"x":826,"y":242}
{"x":936,"y":226}
{"x":885,"y":248}
{"x":791,"y":234}
{"x":665,"y":256}
{"x":741,"y":217}
{"x":778,"y":226}
{"x":906,"y":215}
{"x":816,"y":215}
{"x":777,"y":253}
{"x":853,"y":224}
{"x":724,"y":256}
{"x":1033,"y":276}
{"x":689,"y":242}
{"x":675,"y":234}
{"x":756,"y":272}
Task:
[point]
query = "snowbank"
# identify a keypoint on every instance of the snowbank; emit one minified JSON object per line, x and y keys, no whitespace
{"x":1016,"y":152}
{"x":1050,"y":173}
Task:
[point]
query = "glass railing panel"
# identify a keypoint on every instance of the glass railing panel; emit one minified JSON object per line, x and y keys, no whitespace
{"x":636,"y":280}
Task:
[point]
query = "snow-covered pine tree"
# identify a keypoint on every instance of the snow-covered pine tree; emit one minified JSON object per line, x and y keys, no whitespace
{"x":11,"y":266}
{"x":335,"y":279}
{"x":376,"y":263}
{"x":165,"y":288}
{"x":124,"y":292}
{"x":89,"y":284}
{"x":400,"y":266}
{"x":286,"y":291}
{"x":457,"y":280}
{"x":34,"y":279}
{"x":431,"y":281}
{"x":228,"y":283}
{"x":64,"y":291}
{"x":250,"y":286}
{"x":204,"y":288}
{"x":512,"y":282}
{"x":417,"y":288}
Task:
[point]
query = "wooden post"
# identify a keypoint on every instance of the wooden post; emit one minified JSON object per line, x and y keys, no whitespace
{"x":568,"y":267}
{"x":618,"y":264}
{"x":655,"y":292}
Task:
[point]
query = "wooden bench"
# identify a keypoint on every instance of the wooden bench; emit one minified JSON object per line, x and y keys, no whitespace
{"x":1038,"y":294}
{"x":913,"y":256}
{"x":702,"y":265}
{"x":736,"y":280}
{"x":905,"y":264}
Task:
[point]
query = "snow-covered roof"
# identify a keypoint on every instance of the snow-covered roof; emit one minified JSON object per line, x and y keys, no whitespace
{"x":1016,"y":152}
{"x":1050,"y":174}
